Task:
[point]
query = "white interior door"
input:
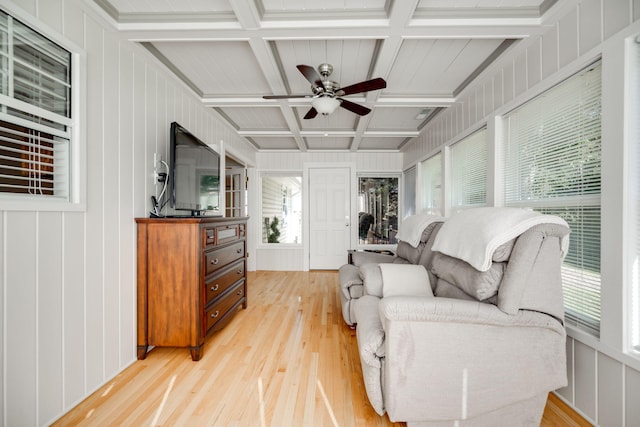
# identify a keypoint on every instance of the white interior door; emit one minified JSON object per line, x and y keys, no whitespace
{"x":329,"y":221}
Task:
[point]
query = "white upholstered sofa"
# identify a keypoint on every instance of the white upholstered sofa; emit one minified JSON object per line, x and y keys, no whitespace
{"x":412,"y":238}
{"x":476,"y":338}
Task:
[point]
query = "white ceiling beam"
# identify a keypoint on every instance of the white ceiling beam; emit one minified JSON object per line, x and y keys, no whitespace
{"x":247,"y":13}
{"x":184,"y":32}
{"x":395,"y":101}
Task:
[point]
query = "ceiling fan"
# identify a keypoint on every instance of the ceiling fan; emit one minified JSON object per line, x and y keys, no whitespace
{"x":327,"y":95}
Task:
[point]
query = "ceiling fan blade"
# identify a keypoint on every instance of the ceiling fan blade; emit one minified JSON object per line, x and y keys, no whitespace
{"x":366,"y":86}
{"x":286,"y":96}
{"x":354,"y":108}
{"x":311,"y":113}
{"x":311,"y":74}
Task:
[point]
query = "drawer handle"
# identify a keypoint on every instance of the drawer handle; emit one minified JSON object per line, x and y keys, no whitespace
{"x":239,"y":272}
{"x":239,"y":292}
{"x":214,"y":261}
{"x":215,"y":287}
{"x":214,"y":315}
{"x":239,"y":250}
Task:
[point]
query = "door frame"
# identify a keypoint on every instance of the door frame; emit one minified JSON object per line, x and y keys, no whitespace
{"x":306,"y":235}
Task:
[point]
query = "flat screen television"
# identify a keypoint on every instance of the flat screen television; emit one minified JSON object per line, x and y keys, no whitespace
{"x":194,"y":174}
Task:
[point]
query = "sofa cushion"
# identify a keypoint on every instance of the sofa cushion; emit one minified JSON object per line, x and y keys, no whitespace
{"x":479,"y":284}
{"x":407,"y":279}
{"x":408,"y":252}
{"x":426,"y":257}
{"x":445,"y":289}
{"x":503,"y":252}
{"x":372,"y":279}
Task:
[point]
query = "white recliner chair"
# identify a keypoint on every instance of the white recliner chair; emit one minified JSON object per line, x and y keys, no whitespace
{"x":479,"y":339}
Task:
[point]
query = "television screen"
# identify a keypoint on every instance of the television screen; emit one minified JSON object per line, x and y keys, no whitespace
{"x":194,"y":174}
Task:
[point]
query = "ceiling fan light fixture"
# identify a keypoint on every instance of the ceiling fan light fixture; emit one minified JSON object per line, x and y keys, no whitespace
{"x":325,"y":105}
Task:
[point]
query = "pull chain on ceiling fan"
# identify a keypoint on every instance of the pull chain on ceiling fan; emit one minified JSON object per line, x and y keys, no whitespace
{"x":327,"y":94}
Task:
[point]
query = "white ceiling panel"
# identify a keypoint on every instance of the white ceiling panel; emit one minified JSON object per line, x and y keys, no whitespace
{"x":448,"y":4}
{"x":437,"y":67}
{"x":396,"y":118}
{"x":341,"y":9}
{"x":482,"y":9}
{"x":328,"y":143}
{"x":233,"y":53}
{"x":380,"y":143}
{"x":246,"y":118}
{"x":207,"y":66}
{"x":319,"y":6}
{"x":171,"y":6}
{"x":275,"y":143}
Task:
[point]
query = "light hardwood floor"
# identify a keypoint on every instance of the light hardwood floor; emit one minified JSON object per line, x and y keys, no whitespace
{"x":287,"y":360}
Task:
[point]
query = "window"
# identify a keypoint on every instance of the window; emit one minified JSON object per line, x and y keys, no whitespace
{"x":634,"y":187}
{"x":469,"y":171}
{"x":282,"y":209}
{"x":431,"y":172}
{"x":377,"y":210}
{"x":35,"y":114}
{"x":409,"y":197}
{"x":552,"y":164}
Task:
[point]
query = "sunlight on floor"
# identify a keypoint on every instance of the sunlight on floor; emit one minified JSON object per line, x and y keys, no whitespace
{"x":164,"y":401}
{"x":90,"y":413}
{"x":108,"y":390}
{"x":327,"y":404}
{"x":263,"y":420}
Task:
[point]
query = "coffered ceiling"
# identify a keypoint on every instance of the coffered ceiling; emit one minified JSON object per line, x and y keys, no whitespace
{"x":232,"y":52}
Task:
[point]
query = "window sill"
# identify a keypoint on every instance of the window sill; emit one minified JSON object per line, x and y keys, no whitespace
{"x":629,"y":358}
{"x":40,"y":205}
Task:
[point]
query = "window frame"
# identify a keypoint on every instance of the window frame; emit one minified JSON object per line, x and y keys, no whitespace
{"x":632,"y":246}
{"x":76,"y":158}
{"x":425,"y":206}
{"x":566,"y":201}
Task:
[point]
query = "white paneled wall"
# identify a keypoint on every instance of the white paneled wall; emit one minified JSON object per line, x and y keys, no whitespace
{"x":292,"y":258}
{"x":604,"y":382}
{"x":69,"y":278}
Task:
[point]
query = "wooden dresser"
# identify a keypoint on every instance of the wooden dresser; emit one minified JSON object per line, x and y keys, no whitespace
{"x":191,"y":279}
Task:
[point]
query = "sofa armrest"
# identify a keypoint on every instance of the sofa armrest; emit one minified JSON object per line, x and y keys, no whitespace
{"x":450,"y":310}
{"x":441,"y":351}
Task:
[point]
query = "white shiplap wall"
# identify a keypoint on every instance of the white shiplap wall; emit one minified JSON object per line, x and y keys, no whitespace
{"x":69,"y":278}
{"x":604,"y":381}
{"x":291,"y":258}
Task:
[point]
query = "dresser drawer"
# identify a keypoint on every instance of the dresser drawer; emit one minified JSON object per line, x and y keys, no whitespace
{"x":217,"y":258}
{"x":227,"y":233}
{"x":212,"y":236}
{"x":216,"y":311}
{"x":221,"y":280}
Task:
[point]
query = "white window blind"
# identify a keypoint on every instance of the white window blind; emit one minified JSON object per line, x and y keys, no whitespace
{"x":552,"y":164}
{"x":35,"y":113}
{"x":469,"y":171}
{"x":431,"y":172}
